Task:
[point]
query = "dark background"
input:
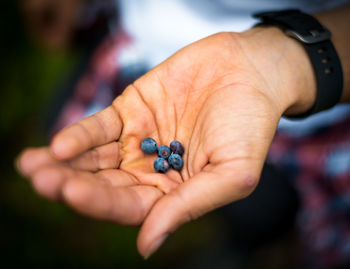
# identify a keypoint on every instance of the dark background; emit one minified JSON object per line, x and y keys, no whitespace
{"x":37,"y":232}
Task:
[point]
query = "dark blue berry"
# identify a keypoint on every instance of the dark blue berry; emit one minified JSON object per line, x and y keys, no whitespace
{"x":164,"y":151}
{"x":161,"y":165}
{"x":149,"y":146}
{"x":176,"y":162}
{"x":177,"y":147}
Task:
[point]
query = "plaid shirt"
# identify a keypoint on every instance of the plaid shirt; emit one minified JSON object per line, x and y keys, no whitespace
{"x":320,"y":165}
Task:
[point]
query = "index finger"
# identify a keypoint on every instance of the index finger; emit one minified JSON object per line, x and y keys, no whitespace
{"x":98,"y":129}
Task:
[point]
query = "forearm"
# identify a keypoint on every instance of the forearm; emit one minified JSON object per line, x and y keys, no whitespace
{"x":337,"y":21}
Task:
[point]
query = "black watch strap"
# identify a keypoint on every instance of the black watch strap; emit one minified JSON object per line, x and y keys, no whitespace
{"x":323,"y":56}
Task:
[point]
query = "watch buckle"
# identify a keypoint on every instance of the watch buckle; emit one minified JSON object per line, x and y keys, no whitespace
{"x":313,"y":36}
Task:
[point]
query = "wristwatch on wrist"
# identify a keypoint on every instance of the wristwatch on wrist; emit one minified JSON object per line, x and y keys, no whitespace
{"x":316,"y":41}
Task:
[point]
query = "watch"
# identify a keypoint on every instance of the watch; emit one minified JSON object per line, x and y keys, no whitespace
{"x":316,"y":41}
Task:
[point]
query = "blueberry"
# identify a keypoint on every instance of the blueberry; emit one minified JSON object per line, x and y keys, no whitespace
{"x":161,"y":165}
{"x":149,"y":146}
{"x":164,"y":151}
{"x":176,"y":162}
{"x":177,"y":147}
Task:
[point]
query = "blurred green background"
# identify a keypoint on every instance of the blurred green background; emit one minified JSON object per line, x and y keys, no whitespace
{"x":37,"y":232}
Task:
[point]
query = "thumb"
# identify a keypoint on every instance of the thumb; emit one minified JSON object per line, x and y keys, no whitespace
{"x":215,"y":186}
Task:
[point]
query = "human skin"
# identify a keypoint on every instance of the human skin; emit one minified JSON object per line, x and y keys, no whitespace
{"x":221,"y":97}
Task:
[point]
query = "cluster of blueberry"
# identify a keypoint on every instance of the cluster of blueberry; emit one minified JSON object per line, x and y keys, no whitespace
{"x":167,"y":156}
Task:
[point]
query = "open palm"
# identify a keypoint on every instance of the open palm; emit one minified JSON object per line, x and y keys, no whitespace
{"x":211,"y":98}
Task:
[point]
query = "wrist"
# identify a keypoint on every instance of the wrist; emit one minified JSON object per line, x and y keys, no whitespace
{"x":285,"y":66}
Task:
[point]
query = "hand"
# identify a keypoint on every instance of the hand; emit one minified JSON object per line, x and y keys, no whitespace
{"x":222,"y":97}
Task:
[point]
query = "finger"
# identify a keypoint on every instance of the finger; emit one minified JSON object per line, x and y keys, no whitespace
{"x":206,"y":191}
{"x":124,"y":205}
{"x":32,"y":158}
{"x":98,"y":129}
{"x":164,"y":182}
{"x":103,"y":157}
{"x":49,"y":180}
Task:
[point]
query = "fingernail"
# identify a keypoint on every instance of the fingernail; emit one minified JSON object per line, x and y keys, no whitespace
{"x":155,"y":246}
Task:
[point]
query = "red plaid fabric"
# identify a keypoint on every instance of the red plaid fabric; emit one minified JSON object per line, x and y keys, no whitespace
{"x":320,"y":165}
